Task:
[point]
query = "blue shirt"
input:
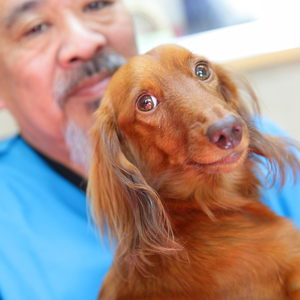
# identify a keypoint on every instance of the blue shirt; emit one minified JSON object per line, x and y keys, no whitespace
{"x":49,"y":247}
{"x":286,"y":201}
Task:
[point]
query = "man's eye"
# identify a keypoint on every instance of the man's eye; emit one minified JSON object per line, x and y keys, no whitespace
{"x":97,"y":5}
{"x":37,"y":29}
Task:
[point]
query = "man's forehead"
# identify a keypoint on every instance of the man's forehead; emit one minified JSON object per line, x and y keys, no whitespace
{"x":20,"y":4}
{"x":12,"y":9}
{"x":24,"y":4}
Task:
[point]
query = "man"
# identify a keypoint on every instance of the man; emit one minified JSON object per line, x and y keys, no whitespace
{"x":56,"y":59}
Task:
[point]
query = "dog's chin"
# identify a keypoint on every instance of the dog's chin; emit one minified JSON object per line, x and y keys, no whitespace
{"x":226,"y":164}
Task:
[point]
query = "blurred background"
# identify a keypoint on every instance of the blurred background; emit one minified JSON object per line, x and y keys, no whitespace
{"x":256,"y":37}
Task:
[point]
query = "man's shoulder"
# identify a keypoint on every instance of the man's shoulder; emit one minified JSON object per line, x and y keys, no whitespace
{"x":12,"y":147}
{"x":14,"y":164}
{"x":25,"y":178}
{"x":7,"y":144}
{"x":21,"y":166}
{"x":15,"y":155}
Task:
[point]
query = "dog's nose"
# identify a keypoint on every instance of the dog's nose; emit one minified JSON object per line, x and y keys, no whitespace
{"x":227,"y":133}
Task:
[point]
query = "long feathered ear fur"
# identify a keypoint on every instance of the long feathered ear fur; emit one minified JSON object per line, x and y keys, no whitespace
{"x":122,"y":199}
{"x":280,"y":152}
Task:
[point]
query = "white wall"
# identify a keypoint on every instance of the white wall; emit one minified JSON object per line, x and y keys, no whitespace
{"x":8,"y":125}
{"x":278,"y":89}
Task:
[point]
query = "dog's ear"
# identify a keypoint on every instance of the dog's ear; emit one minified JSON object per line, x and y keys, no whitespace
{"x":237,"y":92}
{"x":121,"y":197}
{"x":279,"y":151}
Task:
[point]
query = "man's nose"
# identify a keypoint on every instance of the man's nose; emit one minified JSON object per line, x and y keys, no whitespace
{"x":81,"y":43}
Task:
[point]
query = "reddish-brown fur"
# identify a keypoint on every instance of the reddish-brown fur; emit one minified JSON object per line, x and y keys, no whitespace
{"x":187,"y":225}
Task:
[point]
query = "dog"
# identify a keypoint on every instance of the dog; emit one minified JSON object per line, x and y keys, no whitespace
{"x":175,"y":178}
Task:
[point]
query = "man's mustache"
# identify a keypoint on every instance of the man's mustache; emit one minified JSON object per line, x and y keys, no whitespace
{"x":108,"y":62}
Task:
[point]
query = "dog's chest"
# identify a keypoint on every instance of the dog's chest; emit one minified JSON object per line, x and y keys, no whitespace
{"x":236,"y":257}
{"x":227,"y":281}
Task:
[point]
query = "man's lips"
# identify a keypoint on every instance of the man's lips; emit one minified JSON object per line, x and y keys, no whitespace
{"x":93,"y":87}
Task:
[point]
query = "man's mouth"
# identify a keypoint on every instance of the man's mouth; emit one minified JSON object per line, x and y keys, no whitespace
{"x":89,"y":80}
{"x":91,"y":88}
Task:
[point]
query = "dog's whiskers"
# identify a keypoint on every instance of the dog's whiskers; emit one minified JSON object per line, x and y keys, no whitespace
{"x":192,"y":154}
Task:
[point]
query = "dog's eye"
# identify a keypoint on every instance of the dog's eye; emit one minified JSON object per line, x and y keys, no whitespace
{"x":146,"y":102}
{"x":202,"y":71}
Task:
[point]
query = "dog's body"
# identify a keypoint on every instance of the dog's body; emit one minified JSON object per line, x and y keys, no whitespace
{"x":174,"y":176}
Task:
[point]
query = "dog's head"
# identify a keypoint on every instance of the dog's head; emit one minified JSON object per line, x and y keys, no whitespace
{"x":177,"y":110}
{"x":168,"y":119}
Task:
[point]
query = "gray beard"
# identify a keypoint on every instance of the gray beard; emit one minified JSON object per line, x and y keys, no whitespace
{"x":79,"y":146}
{"x":76,"y":138}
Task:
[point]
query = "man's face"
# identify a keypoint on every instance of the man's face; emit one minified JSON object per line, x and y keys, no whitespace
{"x":50,"y":68}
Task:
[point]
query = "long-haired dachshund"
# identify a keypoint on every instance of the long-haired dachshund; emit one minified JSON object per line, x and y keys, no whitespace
{"x":175,"y":179}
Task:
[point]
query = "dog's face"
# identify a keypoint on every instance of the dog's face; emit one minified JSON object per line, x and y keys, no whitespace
{"x":178,"y":111}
